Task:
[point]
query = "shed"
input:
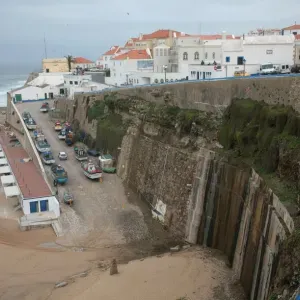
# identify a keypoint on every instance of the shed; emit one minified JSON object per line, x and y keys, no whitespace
{"x":11,"y":191}
{"x":106,"y":161}
{"x":5,"y":170}
{"x":7,"y":180}
{"x":3,"y":162}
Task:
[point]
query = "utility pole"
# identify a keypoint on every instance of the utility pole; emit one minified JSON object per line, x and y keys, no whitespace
{"x":45,"y":45}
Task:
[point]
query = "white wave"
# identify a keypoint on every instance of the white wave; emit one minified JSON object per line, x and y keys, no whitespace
{"x":9,"y":87}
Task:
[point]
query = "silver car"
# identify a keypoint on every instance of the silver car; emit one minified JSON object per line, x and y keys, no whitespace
{"x":62,"y":156}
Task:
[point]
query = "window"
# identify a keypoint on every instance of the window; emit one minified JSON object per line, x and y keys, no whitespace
{"x":71,"y":82}
{"x":213,"y":55}
{"x":76,"y":82}
{"x":66,"y":82}
{"x":185,"y":56}
{"x":196,"y":56}
{"x":106,"y":66}
{"x":240,"y":60}
{"x":206,"y":55}
{"x":269,"y":51}
{"x":156,"y":52}
{"x":105,"y":57}
{"x":137,"y":81}
{"x":34,"y":207}
{"x":165,"y":52}
{"x":228,"y":59}
{"x":161,"y":52}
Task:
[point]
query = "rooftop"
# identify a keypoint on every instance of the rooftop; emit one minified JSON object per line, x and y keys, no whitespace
{"x":133,"y":54}
{"x":293,"y":27}
{"x":30,"y":180}
{"x":81,"y":60}
{"x":112,"y":50}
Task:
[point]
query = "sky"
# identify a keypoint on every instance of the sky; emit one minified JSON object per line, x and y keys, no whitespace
{"x":90,"y":27}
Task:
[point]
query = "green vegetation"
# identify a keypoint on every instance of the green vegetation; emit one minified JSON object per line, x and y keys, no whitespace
{"x":269,"y":138}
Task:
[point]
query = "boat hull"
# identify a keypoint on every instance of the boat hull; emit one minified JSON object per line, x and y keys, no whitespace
{"x":92,"y":176}
{"x":42,"y":150}
{"x":31,"y":127}
{"x":44,"y":110}
{"x":81,"y":158}
{"x":61,"y":137}
{"x":48,"y":162}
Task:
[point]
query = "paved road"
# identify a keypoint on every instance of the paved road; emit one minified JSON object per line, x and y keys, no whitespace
{"x":101,"y":214}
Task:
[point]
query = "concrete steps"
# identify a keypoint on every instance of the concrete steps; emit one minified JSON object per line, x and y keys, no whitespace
{"x":57,"y":228}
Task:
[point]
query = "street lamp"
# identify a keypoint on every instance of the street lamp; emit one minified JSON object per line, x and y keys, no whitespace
{"x":244,"y":62}
{"x":165,"y":67}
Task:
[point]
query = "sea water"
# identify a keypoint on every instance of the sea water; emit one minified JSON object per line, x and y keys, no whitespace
{"x":12,"y":77}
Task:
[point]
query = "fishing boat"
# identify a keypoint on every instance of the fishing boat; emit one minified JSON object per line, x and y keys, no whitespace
{"x":80,"y":154}
{"x":30,"y":124}
{"x":62,"y":134}
{"x":48,"y":158}
{"x":90,"y":170}
{"x":57,"y":126}
{"x":26,"y":115}
{"x":59,"y":174}
{"x":69,"y":140}
{"x":41,"y":144}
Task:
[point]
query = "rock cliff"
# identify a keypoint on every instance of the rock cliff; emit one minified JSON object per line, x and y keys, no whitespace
{"x":198,"y":171}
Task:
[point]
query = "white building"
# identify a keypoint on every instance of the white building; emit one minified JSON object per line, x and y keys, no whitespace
{"x":256,"y":50}
{"x":79,"y":84}
{"x":45,"y":86}
{"x":105,"y":61}
{"x":294,"y":29}
{"x":129,"y":68}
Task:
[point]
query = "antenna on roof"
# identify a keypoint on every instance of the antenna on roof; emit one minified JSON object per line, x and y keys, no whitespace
{"x":45,"y":45}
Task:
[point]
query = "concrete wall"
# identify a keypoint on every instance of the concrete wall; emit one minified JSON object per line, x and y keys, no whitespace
{"x":12,"y":118}
{"x":55,"y":65}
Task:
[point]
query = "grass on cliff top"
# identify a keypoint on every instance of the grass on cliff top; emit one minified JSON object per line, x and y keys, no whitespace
{"x":161,"y":114}
{"x":269,"y":137}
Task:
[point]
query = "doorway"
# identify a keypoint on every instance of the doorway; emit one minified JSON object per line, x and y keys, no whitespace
{"x":33,"y":207}
{"x":51,"y":95}
{"x":46,"y":96}
{"x":44,"y":205}
{"x":203,"y":75}
{"x":198,"y":75}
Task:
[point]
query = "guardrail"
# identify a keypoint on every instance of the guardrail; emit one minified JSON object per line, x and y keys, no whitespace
{"x":186,"y":81}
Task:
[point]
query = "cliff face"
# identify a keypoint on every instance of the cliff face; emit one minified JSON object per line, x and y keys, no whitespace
{"x":172,"y":158}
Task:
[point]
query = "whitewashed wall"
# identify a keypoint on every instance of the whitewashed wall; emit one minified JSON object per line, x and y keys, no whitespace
{"x":52,"y":202}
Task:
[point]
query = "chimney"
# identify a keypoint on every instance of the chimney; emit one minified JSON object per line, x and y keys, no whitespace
{"x":223,"y":35}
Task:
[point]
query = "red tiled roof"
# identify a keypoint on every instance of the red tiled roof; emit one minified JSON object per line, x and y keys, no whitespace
{"x":158,"y":34}
{"x":133,"y":54}
{"x":293,"y":27}
{"x":112,"y":50}
{"x":297,"y":37}
{"x":30,"y":180}
{"x":215,"y":37}
{"x":82,"y":60}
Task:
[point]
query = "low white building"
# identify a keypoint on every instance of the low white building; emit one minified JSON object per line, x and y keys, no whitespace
{"x":80,"y":83}
{"x":294,"y":29}
{"x":252,"y":51}
{"x":36,"y":93}
{"x":45,"y":86}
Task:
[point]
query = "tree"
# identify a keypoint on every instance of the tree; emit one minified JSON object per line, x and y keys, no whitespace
{"x":69,"y":60}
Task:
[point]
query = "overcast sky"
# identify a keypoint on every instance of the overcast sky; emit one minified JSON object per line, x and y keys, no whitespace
{"x":89,"y":27}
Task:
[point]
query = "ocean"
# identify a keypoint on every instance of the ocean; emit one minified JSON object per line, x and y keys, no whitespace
{"x":12,"y":78}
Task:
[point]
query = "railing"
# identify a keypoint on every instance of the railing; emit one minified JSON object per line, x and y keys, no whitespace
{"x":189,"y":81}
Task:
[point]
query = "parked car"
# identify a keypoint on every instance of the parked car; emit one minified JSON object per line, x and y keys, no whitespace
{"x":62,"y":155}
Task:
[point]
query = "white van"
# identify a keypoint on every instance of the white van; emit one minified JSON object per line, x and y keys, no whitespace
{"x":270,"y":68}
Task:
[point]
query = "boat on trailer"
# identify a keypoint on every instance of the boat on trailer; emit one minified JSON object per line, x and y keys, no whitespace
{"x":48,"y":158}
{"x":80,"y":154}
{"x":41,"y":144}
{"x":90,"y":170}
